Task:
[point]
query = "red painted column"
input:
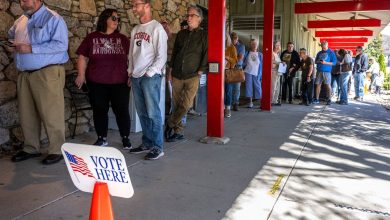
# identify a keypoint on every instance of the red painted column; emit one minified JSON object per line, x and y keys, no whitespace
{"x":216,"y":54}
{"x":268,"y":36}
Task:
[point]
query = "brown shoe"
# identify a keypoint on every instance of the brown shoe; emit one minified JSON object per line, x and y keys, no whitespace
{"x":22,"y":155}
{"x":235,"y":107}
{"x":52,"y":158}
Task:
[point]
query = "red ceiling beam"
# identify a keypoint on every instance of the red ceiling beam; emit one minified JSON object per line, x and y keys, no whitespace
{"x":349,"y":40}
{"x":345,"y":44}
{"x":360,"y":33}
{"x":342,"y":6}
{"x":344,"y":23}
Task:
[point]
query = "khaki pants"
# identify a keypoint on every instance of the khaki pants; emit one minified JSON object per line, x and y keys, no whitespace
{"x":275,"y":86}
{"x":184,"y":92}
{"x":41,"y":101}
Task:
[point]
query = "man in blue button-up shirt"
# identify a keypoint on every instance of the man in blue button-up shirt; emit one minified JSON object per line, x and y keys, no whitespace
{"x":40,"y":37}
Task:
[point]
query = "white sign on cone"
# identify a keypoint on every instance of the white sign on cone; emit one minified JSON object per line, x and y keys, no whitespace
{"x":88,"y":164}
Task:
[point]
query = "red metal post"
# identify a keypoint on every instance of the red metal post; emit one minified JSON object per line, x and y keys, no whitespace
{"x":344,"y":23}
{"x":341,"y":6}
{"x":361,"y":33}
{"x":216,"y":54}
{"x":268,"y":36}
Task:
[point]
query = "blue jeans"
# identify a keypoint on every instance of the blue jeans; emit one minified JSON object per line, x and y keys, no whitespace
{"x":335,"y":84}
{"x":147,"y":98}
{"x":359,"y":84}
{"x":343,"y":82}
{"x":228,"y":94}
{"x":252,"y":86}
{"x":236,"y":93}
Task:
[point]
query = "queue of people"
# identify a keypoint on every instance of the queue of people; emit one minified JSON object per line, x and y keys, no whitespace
{"x":109,"y":64}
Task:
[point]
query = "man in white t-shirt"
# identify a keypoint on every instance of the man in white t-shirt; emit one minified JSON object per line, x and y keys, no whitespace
{"x":147,"y":58}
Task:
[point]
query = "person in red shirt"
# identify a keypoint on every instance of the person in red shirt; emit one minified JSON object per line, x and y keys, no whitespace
{"x":102,"y":64}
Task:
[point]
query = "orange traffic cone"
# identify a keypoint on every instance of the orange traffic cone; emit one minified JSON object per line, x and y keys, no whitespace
{"x":101,"y":208}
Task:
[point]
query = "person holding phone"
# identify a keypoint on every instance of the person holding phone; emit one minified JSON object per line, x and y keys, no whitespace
{"x":102,"y":64}
{"x":325,"y":59}
{"x":40,"y":37}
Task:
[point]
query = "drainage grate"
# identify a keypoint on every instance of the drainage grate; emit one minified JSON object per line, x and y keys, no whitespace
{"x":362,"y":210}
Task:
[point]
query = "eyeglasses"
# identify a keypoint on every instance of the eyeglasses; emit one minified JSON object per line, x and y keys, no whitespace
{"x":136,"y":5}
{"x":114,"y":18}
{"x":192,"y":15}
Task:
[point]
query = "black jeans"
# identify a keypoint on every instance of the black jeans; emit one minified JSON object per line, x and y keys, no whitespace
{"x":287,"y":82}
{"x":101,"y":96}
{"x":307,"y":90}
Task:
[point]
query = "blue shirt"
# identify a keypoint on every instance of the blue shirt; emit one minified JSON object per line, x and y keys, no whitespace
{"x":328,"y":56}
{"x":47,"y":33}
{"x":240,"y":50}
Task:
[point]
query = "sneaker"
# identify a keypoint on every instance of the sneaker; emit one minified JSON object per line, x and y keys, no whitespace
{"x":250,"y":105}
{"x":101,"y":141}
{"x":140,"y":149}
{"x":328,"y":102}
{"x":361,"y":99}
{"x":126,"y":143}
{"x":227,"y":113}
{"x":235,"y":107}
{"x":356,"y":98}
{"x":154,"y":154}
{"x":175,"y":137}
{"x":315,"y":101}
{"x":193,"y":112}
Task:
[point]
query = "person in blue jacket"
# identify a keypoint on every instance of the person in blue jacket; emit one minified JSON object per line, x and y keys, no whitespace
{"x":325,"y":59}
{"x":253,"y":65}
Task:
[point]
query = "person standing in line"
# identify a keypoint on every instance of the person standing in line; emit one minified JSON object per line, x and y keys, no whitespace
{"x":359,"y":71}
{"x":147,"y":59}
{"x":275,"y":74}
{"x":102,"y":64}
{"x":374,"y":70}
{"x":253,"y":67}
{"x":230,"y":63}
{"x":336,"y":71}
{"x":307,"y":79}
{"x":346,"y":72}
{"x":325,"y":59}
{"x":189,"y":61}
{"x":240,"y":59}
{"x":40,"y":37}
{"x":291,"y":58}
{"x":350,"y":76}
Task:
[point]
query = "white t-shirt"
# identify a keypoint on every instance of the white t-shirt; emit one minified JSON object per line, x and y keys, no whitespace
{"x":148,"y":49}
{"x":275,"y":60}
{"x":374,"y":68}
{"x":252,"y":63}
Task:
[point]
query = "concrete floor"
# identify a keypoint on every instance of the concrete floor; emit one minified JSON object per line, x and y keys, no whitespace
{"x":294,"y":163}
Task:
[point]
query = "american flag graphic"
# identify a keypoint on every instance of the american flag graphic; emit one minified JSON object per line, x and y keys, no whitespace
{"x":78,"y":164}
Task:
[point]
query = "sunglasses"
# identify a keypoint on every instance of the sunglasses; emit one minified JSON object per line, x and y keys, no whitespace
{"x":114,"y":18}
{"x":192,"y":15}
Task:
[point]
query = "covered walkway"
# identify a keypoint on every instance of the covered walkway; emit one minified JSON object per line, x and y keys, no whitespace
{"x":294,"y":163}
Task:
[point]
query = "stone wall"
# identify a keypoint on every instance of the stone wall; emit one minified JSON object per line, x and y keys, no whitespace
{"x":81,"y":17}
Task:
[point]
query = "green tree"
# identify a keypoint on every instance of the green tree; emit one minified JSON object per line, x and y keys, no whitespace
{"x":382,"y":64}
{"x":374,"y":48}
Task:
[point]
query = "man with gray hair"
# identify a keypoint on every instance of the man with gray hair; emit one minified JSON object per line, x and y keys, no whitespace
{"x":188,"y":62}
